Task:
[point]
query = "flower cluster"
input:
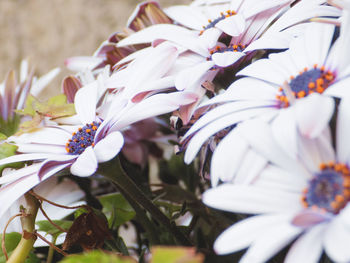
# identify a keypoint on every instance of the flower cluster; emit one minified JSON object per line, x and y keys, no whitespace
{"x":259,"y":88}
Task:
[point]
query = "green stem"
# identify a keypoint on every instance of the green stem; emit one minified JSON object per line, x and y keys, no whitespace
{"x":24,"y":247}
{"x":51,"y":250}
{"x":141,"y":216}
{"x":122,"y":180}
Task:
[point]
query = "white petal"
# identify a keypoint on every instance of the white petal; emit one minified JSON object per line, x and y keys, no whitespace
{"x":276,"y":238}
{"x":313,"y":113}
{"x":274,"y":177}
{"x":15,"y":190}
{"x":152,"y":106}
{"x":266,"y":70}
{"x":225,"y":121}
{"x":250,"y":199}
{"x":233,"y":25}
{"x":86,"y":163}
{"x":85,"y":103}
{"x":227,"y":157}
{"x":225,"y":59}
{"x":109,"y":147}
{"x":337,"y":240}
{"x":189,"y":77}
{"x":14,"y":175}
{"x":187,"y":15}
{"x":343,"y":131}
{"x":308,"y":247}
{"x":82,"y":63}
{"x":243,"y":233}
{"x":176,"y":34}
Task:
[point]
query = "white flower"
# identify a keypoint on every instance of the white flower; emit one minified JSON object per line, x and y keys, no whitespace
{"x":302,"y":195}
{"x":82,"y":147}
{"x":193,"y":57}
{"x":311,"y":65}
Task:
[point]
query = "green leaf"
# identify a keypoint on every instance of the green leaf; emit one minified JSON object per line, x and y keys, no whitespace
{"x":2,"y":137}
{"x":10,"y":126}
{"x":7,"y":150}
{"x":11,"y":242}
{"x":48,"y":228}
{"x":117,"y":210}
{"x":175,"y":255}
{"x":55,"y":107}
{"x":97,"y":256}
{"x":29,"y":106}
{"x":80,"y":211}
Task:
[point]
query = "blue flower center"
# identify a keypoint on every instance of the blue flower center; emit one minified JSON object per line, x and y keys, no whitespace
{"x":212,"y":23}
{"x":82,"y":139}
{"x":329,"y":190}
{"x":308,"y":81}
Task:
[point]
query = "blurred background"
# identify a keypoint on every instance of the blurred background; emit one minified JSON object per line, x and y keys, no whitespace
{"x":48,"y":31}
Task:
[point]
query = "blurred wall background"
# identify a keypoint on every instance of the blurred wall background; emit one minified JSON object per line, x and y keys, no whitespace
{"x":48,"y":31}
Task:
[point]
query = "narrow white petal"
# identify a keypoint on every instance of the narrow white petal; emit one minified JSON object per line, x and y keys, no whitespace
{"x":227,"y":120}
{"x":227,"y":157}
{"x":243,"y":233}
{"x":266,"y":70}
{"x":86,"y":164}
{"x":227,"y":58}
{"x":152,"y":106}
{"x":271,"y":243}
{"x":337,"y":240}
{"x":189,"y":77}
{"x":82,"y":63}
{"x":85,"y":103}
{"x":187,"y":15}
{"x":14,"y":175}
{"x":343,"y":131}
{"x":250,"y":199}
{"x":313,"y":114}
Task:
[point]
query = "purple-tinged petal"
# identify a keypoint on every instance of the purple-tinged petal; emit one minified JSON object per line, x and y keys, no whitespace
{"x":308,"y":218}
{"x":54,"y":166}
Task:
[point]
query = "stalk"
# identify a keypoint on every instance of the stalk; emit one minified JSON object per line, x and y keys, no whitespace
{"x":24,"y":247}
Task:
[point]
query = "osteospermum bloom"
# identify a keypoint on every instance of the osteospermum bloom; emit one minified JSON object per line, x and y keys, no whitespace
{"x":201,"y":55}
{"x":304,"y":196}
{"x":292,"y":88}
{"x":80,"y":147}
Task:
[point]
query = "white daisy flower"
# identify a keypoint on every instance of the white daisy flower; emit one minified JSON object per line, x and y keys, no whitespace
{"x":82,"y":147}
{"x":191,"y":59}
{"x":307,"y":67}
{"x":305,"y":197}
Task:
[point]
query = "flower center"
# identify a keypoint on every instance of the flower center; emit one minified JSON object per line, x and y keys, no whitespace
{"x":308,"y":81}
{"x":212,"y":23}
{"x":82,"y":139}
{"x":329,"y":190}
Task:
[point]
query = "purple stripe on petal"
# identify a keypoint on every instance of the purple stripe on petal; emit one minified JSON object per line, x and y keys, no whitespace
{"x":50,"y":165}
{"x":308,"y":218}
